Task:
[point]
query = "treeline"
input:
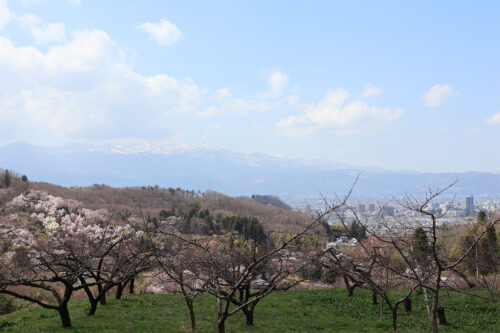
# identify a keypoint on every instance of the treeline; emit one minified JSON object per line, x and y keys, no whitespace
{"x":203,"y":222}
{"x":272,"y":200}
{"x":11,"y":184}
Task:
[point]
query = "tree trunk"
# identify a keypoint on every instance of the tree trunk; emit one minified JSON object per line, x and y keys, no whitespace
{"x":427,"y":302}
{"x":220,"y":325}
{"x":381,"y":308}
{"x":374,"y":297}
{"x":395,"y":319}
{"x":131,"y":288}
{"x":408,"y":304}
{"x":102,"y":294}
{"x":221,"y":316}
{"x":102,"y":298}
{"x":189,"y":303}
{"x":350,"y":289}
{"x":64,"y":314}
{"x":119,"y":291}
{"x":93,"y":302}
{"x":434,"y":324}
{"x":249,"y":315}
{"x":442,"y":317}
{"x":93,"y":307}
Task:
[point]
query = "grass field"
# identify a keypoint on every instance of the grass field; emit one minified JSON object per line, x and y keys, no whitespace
{"x":293,"y":311}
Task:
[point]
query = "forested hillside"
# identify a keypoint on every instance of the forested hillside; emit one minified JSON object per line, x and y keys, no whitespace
{"x":153,"y":200}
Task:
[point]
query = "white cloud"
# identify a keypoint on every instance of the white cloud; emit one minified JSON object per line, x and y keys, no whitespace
{"x":439,"y":95}
{"x":494,"y":119}
{"x":29,"y":20}
{"x":84,"y":89}
{"x":226,"y":104}
{"x":209,"y":112}
{"x":43,"y":32}
{"x":5,"y":15}
{"x":165,"y":33}
{"x":335,"y":114}
{"x":238,"y":106}
{"x":371,"y":91}
{"x":221,"y":94}
{"x":48,"y":32}
{"x":277,"y":82}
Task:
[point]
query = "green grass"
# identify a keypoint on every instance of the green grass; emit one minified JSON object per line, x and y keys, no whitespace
{"x":294,"y":311}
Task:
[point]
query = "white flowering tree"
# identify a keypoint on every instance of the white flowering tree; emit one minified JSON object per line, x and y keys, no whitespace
{"x":121,"y":254}
{"x":61,"y":248}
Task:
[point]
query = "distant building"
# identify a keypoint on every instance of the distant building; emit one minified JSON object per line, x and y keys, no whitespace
{"x":361,"y":208}
{"x":388,"y":211}
{"x":469,"y":206}
{"x":370,"y":207}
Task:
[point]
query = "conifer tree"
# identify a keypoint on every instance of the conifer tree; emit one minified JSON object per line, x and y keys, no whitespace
{"x":421,"y":247}
{"x":7,"y":178}
{"x":489,"y":256}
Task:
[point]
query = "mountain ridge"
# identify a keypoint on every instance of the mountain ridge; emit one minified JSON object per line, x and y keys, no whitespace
{"x":230,"y":172}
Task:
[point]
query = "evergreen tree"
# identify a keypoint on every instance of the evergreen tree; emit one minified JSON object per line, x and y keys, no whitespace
{"x":357,"y":231}
{"x":421,"y":248}
{"x":7,"y":178}
{"x":481,"y":217}
{"x":488,"y":252}
{"x":469,"y":262}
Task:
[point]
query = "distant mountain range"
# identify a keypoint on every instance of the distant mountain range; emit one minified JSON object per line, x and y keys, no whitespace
{"x":231,"y":173}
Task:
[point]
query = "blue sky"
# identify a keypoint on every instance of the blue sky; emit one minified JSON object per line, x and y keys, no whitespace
{"x":398,"y":85}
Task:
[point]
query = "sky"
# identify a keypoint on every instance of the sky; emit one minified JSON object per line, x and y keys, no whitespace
{"x":390,"y":84}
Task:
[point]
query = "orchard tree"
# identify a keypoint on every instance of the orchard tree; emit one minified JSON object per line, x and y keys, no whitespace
{"x":370,"y":263}
{"x":236,"y":270}
{"x":55,"y":251}
{"x":118,"y":259}
{"x":431,"y":272}
{"x":483,"y":263}
{"x":176,"y":260}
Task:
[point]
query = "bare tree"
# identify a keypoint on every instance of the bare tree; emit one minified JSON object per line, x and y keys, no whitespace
{"x":237,"y":270}
{"x":367,"y":263}
{"x":174,"y":258}
{"x":431,"y":270}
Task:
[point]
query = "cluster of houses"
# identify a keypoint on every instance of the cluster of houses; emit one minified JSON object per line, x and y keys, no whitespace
{"x":341,"y":242}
